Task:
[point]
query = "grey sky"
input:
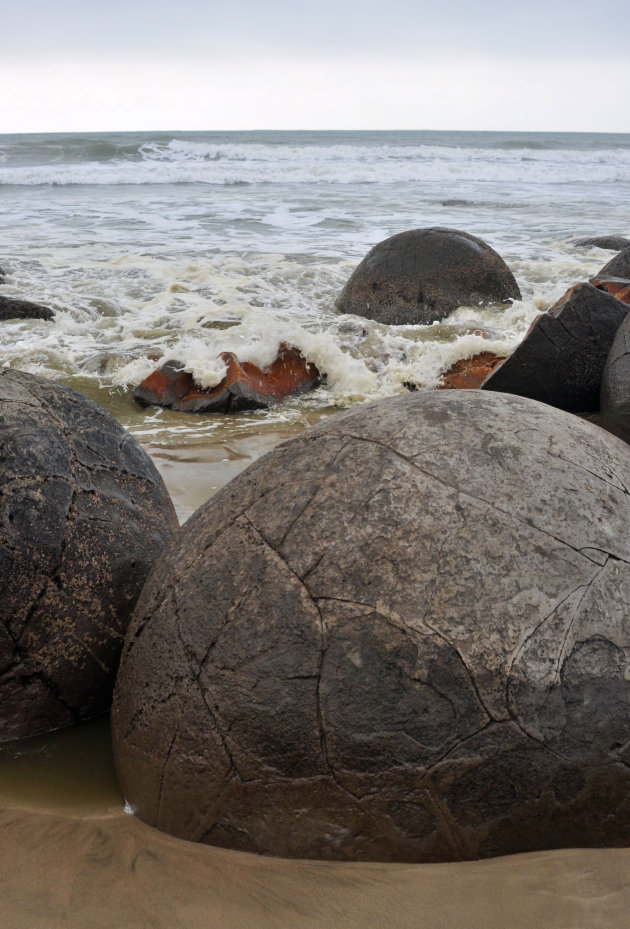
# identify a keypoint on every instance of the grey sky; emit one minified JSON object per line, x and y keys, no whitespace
{"x":496,"y":64}
{"x":403,"y":27}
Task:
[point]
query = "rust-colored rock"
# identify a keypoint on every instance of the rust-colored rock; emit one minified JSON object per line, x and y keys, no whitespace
{"x":244,"y":387}
{"x":470,"y":373}
{"x":617,"y":286}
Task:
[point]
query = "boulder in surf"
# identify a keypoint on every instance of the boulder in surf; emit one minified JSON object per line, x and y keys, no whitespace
{"x":12,"y":308}
{"x":614,"y":243}
{"x":470,"y":373}
{"x":244,"y":386}
{"x":561,"y":359}
{"x":422,"y":275}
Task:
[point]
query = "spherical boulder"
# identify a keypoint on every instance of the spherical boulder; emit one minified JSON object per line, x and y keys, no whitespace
{"x":422,"y":275}
{"x":403,"y":635}
{"x":83,"y":515}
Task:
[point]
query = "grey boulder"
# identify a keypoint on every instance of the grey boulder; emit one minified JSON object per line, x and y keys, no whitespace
{"x":619,"y":266}
{"x":12,"y":308}
{"x":83,"y":516}
{"x":401,"y":636}
{"x":613,"y":242}
{"x":422,"y":275}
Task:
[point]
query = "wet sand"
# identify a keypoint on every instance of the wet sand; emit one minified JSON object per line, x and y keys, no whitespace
{"x":62,"y":871}
{"x":70,"y":858}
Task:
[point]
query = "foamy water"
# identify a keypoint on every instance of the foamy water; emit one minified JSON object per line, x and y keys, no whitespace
{"x":161,"y":246}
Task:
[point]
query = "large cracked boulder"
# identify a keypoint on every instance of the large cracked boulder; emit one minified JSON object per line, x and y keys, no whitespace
{"x":83,"y":515}
{"x":422,"y":275}
{"x":403,"y":635}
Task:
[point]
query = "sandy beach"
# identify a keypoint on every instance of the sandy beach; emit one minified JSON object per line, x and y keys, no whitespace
{"x":62,"y":871}
{"x":70,"y":858}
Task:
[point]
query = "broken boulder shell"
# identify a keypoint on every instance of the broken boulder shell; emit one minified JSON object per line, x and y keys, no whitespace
{"x":422,"y":275}
{"x":244,"y":387}
{"x":561,"y":359}
{"x":402,"y":635}
{"x":470,"y":373}
{"x":83,"y":516}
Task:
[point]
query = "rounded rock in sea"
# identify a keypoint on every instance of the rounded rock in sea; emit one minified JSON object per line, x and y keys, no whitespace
{"x":613,"y":243}
{"x":401,"y":636}
{"x":83,"y":516}
{"x":422,"y":275}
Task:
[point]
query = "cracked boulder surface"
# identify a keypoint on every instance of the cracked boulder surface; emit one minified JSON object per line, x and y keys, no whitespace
{"x":561,"y":360}
{"x":420,"y":276}
{"x":83,"y":516}
{"x":400,"y":636}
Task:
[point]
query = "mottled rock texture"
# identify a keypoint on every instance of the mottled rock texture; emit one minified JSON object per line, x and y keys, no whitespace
{"x":561,"y":359}
{"x":619,"y":266}
{"x":83,"y":515}
{"x":615,"y":243}
{"x":422,"y":275}
{"x":403,"y":635}
{"x":244,"y":387}
{"x":11,"y":308}
{"x":615,"y":391}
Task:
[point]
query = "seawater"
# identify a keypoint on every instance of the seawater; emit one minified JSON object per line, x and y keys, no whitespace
{"x":182,"y":245}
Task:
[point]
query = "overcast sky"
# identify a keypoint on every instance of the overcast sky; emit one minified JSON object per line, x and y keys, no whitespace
{"x":393,"y":64}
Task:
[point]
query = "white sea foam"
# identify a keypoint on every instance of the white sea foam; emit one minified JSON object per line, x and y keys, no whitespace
{"x":255,"y":249}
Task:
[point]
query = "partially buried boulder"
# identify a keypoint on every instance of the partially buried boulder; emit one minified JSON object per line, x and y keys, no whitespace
{"x":403,"y":635}
{"x":613,"y":242}
{"x":422,"y":275}
{"x":561,"y":359}
{"x":83,"y":515}
{"x":619,"y":266}
{"x":12,"y":308}
{"x":244,"y":387}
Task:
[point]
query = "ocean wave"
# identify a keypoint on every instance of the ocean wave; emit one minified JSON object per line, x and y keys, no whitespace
{"x":202,"y":164}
